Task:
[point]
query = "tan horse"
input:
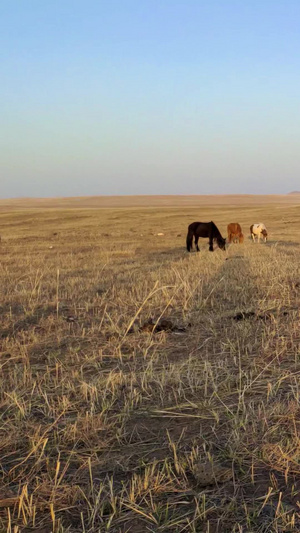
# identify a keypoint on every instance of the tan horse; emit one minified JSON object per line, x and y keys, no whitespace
{"x":258,"y":230}
{"x":234,"y":232}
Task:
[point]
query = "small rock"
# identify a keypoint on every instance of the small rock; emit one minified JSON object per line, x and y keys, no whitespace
{"x":160,"y":234}
{"x":70,"y":319}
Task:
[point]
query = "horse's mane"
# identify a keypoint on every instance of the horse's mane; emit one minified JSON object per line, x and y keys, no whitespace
{"x":215,"y":230}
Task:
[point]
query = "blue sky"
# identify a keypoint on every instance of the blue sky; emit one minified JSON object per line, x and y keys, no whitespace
{"x":149,"y":97}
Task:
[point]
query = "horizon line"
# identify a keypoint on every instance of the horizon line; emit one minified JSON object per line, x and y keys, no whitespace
{"x":142,"y":195}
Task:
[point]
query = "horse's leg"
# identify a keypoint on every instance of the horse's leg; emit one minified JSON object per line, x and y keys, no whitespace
{"x":196,"y":243}
{"x":211,"y":244}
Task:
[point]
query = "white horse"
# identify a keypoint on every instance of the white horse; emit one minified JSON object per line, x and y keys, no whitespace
{"x":258,"y":230}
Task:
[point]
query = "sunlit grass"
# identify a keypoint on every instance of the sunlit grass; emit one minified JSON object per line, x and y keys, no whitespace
{"x":108,"y":427}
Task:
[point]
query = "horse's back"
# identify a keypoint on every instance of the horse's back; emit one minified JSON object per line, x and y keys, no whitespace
{"x":201,"y":229}
{"x":204,"y":229}
{"x":194,"y":225}
{"x":257,"y":228}
{"x":234,"y":228}
{"x":262,"y":226}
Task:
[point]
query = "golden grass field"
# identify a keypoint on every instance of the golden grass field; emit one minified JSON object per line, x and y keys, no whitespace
{"x":107,"y":426}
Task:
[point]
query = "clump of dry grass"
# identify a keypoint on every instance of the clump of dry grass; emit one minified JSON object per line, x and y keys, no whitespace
{"x":110,"y":427}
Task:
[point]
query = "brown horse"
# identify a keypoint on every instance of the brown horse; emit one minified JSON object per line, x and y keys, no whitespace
{"x":234,"y":232}
{"x":204,"y":229}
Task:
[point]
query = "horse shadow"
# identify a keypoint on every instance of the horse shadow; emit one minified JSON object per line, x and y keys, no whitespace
{"x":180,"y":252}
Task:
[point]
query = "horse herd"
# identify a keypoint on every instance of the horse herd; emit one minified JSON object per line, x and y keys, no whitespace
{"x":210,"y":230}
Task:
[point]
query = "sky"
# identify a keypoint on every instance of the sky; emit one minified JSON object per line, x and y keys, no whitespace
{"x":149,"y":97}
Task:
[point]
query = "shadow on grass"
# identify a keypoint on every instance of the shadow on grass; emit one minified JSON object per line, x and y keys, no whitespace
{"x":198,"y":410}
{"x":284,"y":244}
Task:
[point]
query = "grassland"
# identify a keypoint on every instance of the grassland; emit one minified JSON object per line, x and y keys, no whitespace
{"x":110,"y":426}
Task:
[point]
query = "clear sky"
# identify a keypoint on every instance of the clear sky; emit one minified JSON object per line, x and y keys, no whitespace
{"x":149,"y":97}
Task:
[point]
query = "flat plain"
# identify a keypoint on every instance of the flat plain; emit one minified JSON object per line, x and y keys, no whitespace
{"x":145,"y":389}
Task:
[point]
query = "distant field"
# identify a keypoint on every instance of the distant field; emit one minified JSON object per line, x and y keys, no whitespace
{"x":108,"y":424}
{"x":152,"y":201}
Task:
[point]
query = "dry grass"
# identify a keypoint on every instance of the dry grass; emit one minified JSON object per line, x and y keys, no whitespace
{"x":107,"y":427}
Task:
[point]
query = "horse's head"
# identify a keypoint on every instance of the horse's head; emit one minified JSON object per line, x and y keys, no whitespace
{"x":265,"y":235}
{"x":221,"y":243}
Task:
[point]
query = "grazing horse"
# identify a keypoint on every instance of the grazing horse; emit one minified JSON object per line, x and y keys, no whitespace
{"x":234,"y":232}
{"x":258,"y":230}
{"x":204,"y":229}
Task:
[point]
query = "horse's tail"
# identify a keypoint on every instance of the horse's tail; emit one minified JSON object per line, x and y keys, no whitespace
{"x":189,"y":240}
